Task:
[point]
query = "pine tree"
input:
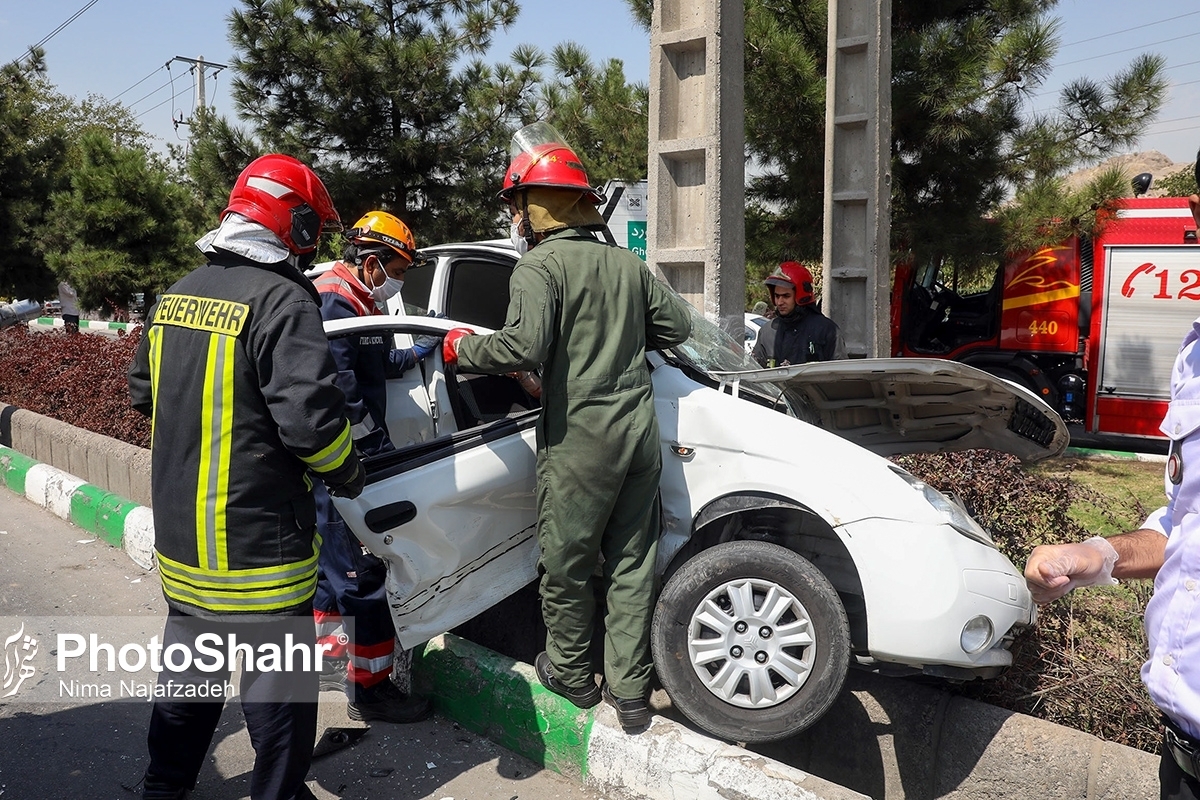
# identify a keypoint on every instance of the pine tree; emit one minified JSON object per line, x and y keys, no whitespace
{"x":601,"y":116}
{"x":123,"y":226}
{"x":32,"y":156}
{"x":388,"y":101}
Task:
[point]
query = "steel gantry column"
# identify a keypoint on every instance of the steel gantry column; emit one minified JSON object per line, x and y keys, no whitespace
{"x":695,"y":233}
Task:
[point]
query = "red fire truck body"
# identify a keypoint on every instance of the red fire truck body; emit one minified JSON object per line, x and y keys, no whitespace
{"x":1093,"y":327}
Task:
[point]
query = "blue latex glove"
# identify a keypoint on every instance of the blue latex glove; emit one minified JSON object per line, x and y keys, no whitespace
{"x":424,"y":345}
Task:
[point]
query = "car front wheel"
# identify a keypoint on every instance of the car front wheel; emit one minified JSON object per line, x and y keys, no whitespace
{"x":750,"y":641}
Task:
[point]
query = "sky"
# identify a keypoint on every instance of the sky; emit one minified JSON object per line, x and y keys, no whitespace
{"x":119,"y":49}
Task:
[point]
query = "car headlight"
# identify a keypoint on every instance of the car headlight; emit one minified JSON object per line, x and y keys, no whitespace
{"x":953,"y":513}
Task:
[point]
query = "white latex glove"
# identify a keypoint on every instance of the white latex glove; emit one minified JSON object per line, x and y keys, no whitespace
{"x":1054,"y":570}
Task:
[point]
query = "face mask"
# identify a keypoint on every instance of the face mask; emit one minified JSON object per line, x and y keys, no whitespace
{"x":386,"y":290}
{"x":390,"y":288}
{"x":518,"y":241}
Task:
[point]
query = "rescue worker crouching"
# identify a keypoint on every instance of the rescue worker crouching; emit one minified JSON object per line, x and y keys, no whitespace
{"x":586,"y":313}
{"x":234,"y":370}
{"x":799,"y":332}
{"x":351,"y":580}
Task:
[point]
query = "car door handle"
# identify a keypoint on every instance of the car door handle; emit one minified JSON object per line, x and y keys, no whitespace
{"x":393,"y":515}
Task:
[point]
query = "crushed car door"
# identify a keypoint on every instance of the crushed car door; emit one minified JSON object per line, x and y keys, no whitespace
{"x":912,"y":405}
{"x":454,"y":517}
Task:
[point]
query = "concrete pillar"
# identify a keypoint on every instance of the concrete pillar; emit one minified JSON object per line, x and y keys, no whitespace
{"x":858,"y":122}
{"x":695,"y":235}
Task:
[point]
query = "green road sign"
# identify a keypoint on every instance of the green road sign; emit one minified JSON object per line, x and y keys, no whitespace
{"x":637,"y":237}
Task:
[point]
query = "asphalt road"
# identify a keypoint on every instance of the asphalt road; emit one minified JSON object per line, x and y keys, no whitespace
{"x":93,"y":748}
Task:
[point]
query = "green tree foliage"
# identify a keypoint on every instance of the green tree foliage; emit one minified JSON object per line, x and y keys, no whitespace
{"x":965,"y":74}
{"x":388,"y":101}
{"x":217,"y":153}
{"x":1181,"y":183}
{"x":121,"y":227}
{"x":963,"y":140}
{"x":32,"y":156}
{"x":602,"y":117}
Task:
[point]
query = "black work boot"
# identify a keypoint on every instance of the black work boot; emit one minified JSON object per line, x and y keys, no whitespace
{"x":583,"y":697}
{"x":333,"y":674}
{"x":633,"y":714}
{"x":384,"y":702}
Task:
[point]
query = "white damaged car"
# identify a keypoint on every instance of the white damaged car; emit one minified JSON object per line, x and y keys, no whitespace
{"x":790,"y":547}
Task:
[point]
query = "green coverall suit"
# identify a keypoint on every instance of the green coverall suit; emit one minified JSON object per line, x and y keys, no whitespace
{"x":586,"y":312}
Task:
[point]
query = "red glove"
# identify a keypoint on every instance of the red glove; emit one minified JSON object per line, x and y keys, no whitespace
{"x":450,"y":344}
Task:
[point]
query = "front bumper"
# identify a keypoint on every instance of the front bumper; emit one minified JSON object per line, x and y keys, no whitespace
{"x":922,"y":585}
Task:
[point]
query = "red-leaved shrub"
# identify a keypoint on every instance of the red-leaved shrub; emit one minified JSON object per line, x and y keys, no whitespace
{"x":79,"y":379}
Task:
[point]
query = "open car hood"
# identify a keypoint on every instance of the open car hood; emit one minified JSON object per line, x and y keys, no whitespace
{"x":911,"y":405}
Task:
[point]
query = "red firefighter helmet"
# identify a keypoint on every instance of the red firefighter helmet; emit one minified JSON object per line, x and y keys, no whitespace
{"x":540,"y":158}
{"x":795,"y":276}
{"x":286,"y":197}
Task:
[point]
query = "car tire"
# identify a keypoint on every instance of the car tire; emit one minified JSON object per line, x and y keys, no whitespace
{"x":736,"y":682}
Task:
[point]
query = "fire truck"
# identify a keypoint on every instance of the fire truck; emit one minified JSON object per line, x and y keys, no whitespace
{"x":1091,"y":326}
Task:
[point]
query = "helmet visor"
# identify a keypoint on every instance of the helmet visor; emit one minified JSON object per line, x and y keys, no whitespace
{"x":535,"y":139}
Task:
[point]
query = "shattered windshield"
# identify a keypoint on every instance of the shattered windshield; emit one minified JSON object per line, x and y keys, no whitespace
{"x":710,"y":348}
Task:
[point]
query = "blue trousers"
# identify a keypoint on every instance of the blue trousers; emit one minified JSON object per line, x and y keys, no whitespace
{"x":351,"y":595}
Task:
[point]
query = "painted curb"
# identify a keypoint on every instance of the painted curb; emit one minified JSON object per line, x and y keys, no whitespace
{"x":119,"y":522}
{"x":90,"y":324}
{"x":501,"y":698}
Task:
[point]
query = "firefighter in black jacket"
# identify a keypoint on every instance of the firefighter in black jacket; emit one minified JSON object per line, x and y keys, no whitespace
{"x":798,"y":333}
{"x":234,"y":370}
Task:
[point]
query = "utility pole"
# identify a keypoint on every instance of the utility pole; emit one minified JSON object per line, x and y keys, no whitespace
{"x":695,"y":234}
{"x":199,"y":65}
{"x":858,"y":174}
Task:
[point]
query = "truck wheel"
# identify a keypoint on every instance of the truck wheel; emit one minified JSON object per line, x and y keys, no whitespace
{"x":750,"y":641}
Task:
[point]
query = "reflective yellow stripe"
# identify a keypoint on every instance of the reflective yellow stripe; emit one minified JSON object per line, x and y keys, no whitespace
{"x":253,"y":578}
{"x":257,"y":602}
{"x":333,"y":456}
{"x":216,"y":436}
{"x":258,"y":589}
{"x":1039,"y":298}
{"x":154,"y":335}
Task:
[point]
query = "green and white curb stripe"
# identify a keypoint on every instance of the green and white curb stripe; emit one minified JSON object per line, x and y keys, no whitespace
{"x":501,"y":698}
{"x":90,"y":324}
{"x":120,"y":522}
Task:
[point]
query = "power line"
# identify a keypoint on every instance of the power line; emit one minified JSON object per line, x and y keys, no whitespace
{"x":152,"y":92}
{"x":61,"y":27}
{"x":164,"y":102}
{"x":1134,"y":28}
{"x":139,"y":83}
{"x":1127,"y":49}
